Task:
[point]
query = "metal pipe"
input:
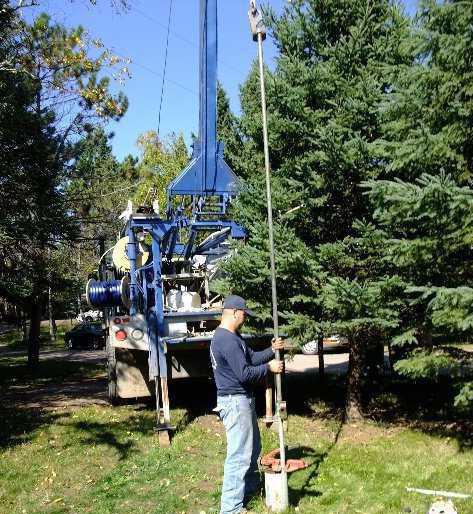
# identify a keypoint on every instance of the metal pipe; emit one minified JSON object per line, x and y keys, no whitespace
{"x":274,"y":295}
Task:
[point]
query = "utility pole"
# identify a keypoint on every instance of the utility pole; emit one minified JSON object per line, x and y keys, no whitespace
{"x":258,"y":30}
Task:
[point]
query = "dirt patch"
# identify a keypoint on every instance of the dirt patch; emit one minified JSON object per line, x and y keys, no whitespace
{"x":210,"y":423}
{"x":67,"y":394}
{"x":58,"y":392}
{"x":365,"y":433}
{"x":317,"y":428}
{"x":89,"y":356}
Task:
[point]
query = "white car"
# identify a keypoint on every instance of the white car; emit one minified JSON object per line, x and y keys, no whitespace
{"x":89,"y":316}
{"x":332,"y":344}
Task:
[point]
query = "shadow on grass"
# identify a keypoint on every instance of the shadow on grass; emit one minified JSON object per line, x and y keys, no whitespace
{"x":305,"y":395}
{"x":14,"y":371}
{"x":315,"y":459}
{"x":106,"y":434}
{"x":303,"y":489}
{"x":27,"y":397}
{"x":196,"y":396}
{"x":19,"y":424}
{"x":424,"y":406}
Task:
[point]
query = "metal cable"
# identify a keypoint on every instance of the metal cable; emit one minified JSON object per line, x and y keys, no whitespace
{"x":165,"y":65}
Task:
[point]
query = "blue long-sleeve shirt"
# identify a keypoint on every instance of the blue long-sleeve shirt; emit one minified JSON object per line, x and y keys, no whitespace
{"x":236,"y":367}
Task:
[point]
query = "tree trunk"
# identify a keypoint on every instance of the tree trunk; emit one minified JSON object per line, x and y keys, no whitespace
{"x":24,"y":325}
{"x":320,"y":353}
{"x":34,"y":335}
{"x":353,"y":408}
{"x":424,"y":337}
{"x":52,"y":321}
{"x":391,"y":357}
{"x":373,"y":358}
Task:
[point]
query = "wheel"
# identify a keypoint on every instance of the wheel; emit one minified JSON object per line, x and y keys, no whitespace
{"x":164,"y":438}
{"x":89,"y":319}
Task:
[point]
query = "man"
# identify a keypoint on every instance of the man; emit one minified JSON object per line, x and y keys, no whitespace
{"x":237,"y":369}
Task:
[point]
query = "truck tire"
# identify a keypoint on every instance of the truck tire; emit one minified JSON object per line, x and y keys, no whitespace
{"x":112,"y":373}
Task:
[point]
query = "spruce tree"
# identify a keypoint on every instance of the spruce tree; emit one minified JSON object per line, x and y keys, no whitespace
{"x":425,"y":219}
{"x":323,"y":104}
{"x":428,"y":118}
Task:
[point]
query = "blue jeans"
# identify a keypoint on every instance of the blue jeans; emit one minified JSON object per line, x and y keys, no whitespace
{"x":240,"y":475}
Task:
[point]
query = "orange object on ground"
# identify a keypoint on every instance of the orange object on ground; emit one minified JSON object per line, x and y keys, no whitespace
{"x":270,"y":461}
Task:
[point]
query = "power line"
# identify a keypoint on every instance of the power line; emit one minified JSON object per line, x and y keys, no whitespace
{"x":165,"y":66}
{"x":182,"y":38}
{"x":150,"y":70}
{"x":154,"y":20}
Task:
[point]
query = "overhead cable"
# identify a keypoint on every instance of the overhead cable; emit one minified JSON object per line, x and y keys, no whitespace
{"x":165,"y":66}
{"x":182,"y":38}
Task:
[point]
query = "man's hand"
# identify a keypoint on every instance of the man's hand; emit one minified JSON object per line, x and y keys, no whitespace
{"x":276,"y":366}
{"x":277,"y":344}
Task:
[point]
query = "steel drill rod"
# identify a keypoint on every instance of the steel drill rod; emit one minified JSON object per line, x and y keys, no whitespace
{"x":278,"y":380}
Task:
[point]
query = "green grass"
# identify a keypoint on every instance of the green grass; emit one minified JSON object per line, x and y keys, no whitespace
{"x":107,"y":460}
{"x":13,"y":340}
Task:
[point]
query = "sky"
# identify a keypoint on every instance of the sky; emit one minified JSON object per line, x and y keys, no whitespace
{"x":140,"y":34}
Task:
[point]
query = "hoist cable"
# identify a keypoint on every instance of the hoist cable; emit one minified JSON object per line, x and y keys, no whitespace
{"x":165,"y":66}
{"x":108,"y":293}
{"x":105,"y":293}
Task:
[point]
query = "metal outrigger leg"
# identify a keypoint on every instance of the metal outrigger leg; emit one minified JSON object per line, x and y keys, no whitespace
{"x":160,"y":375}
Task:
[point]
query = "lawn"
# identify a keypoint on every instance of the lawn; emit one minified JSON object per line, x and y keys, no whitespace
{"x":106,"y":460}
{"x":13,"y":340}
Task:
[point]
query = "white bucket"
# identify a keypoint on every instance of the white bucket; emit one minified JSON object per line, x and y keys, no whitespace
{"x":190,"y":301}
{"x":174,"y":299}
{"x":277,"y":496}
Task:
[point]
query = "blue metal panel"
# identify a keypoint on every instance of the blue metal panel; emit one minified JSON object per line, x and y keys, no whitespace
{"x":207,"y":174}
{"x":160,"y":227}
{"x":131,"y":252}
{"x":237,"y":231}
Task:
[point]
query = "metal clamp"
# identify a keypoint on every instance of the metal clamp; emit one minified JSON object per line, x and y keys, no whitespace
{"x":281,"y":410}
{"x":257,"y":25}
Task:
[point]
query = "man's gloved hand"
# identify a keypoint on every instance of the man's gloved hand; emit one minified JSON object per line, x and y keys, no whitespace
{"x":277,"y":344}
{"x":276,"y":366}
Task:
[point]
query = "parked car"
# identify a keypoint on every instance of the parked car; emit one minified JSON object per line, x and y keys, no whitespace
{"x":89,"y":316}
{"x":332,"y":344}
{"x":85,"y":336}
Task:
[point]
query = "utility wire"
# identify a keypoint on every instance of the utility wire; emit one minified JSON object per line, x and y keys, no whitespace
{"x":165,"y":66}
{"x":126,"y":55}
{"x":182,"y":38}
{"x":154,"y":20}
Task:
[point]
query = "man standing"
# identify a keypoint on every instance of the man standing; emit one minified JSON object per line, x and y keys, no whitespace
{"x":237,"y":369}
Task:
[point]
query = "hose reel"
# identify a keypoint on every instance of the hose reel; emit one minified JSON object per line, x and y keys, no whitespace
{"x":108,"y":293}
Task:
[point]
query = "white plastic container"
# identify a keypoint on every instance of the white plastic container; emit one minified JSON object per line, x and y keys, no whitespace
{"x":277,"y":495}
{"x":174,"y":299}
{"x":190,"y":301}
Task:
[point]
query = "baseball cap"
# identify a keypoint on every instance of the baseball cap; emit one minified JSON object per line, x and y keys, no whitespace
{"x":238,"y":303}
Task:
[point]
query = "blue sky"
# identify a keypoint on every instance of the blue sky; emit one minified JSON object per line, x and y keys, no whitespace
{"x":140,"y":34}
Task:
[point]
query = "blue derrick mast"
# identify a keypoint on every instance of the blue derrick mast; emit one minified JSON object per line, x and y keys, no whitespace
{"x":198,"y":201}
